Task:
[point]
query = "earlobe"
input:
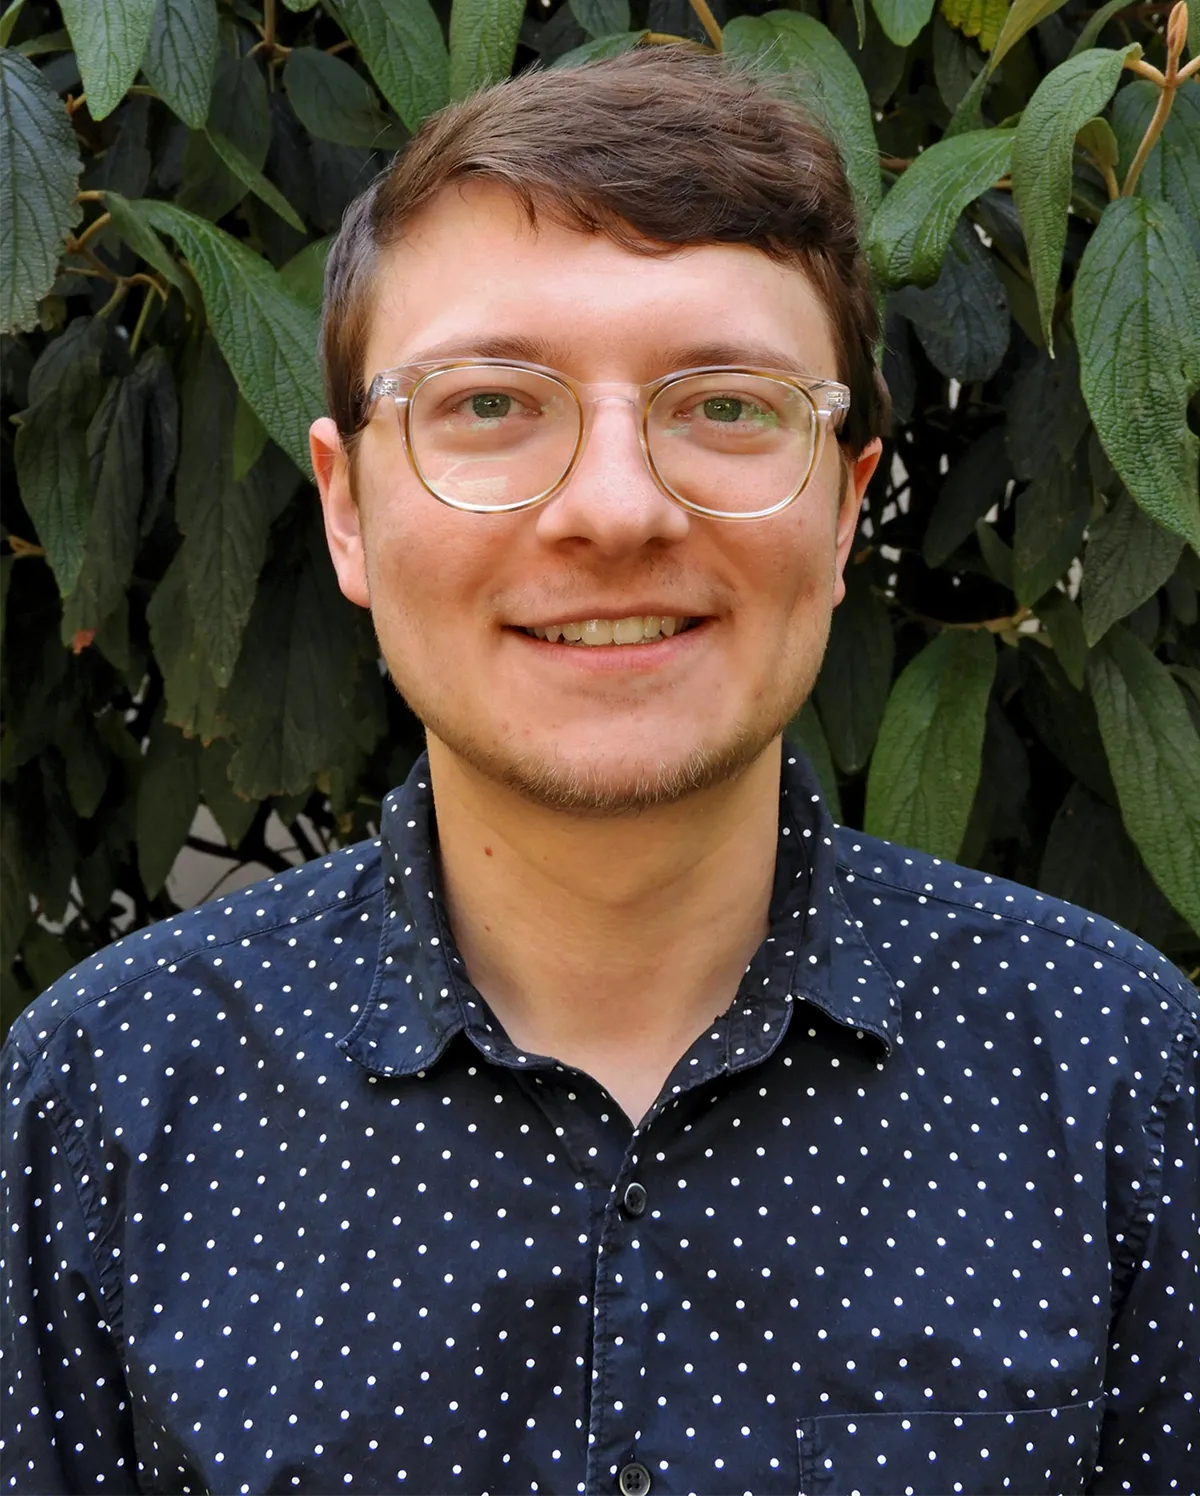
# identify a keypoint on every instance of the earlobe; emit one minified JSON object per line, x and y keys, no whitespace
{"x":343,"y":522}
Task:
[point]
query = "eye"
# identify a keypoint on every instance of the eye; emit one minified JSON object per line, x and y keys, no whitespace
{"x":492,"y":405}
{"x":730,"y":410}
{"x":724,"y":408}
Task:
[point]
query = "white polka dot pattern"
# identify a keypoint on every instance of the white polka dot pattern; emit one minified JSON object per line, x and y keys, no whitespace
{"x":285,"y":1210}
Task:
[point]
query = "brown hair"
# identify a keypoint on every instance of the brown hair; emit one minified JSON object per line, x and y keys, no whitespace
{"x":658,"y":147}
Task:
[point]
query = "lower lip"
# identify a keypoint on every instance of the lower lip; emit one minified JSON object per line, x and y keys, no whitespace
{"x":618,"y":657}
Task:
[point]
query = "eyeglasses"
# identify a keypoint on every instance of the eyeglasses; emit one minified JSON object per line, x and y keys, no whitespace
{"x":492,"y":436}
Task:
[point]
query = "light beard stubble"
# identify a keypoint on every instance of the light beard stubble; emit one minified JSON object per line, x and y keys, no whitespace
{"x":568,"y":789}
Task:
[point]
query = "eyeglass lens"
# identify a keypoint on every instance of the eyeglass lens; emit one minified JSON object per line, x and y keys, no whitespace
{"x":494,"y":437}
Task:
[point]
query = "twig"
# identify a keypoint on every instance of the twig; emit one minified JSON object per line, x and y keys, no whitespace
{"x":666,"y":39}
{"x":1168,"y":83}
{"x":709,"y":22}
{"x":77,"y":246}
{"x":21,"y":547}
{"x":143,"y":318}
{"x":1144,"y":70}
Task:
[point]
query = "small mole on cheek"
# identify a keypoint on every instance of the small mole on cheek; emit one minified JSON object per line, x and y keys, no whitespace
{"x":487,"y":851}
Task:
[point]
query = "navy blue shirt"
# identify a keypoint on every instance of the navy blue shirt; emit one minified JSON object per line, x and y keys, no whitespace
{"x":287,"y":1211}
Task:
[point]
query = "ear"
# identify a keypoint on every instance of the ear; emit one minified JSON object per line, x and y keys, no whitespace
{"x":859,"y":471}
{"x":343,"y":522}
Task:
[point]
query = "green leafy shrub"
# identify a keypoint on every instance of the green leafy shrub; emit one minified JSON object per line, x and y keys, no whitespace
{"x":1014,"y":678}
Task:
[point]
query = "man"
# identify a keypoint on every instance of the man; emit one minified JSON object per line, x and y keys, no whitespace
{"x":612,"y":1123}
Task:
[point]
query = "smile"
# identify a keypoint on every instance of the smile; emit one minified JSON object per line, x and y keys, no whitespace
{"x":639,"y":629}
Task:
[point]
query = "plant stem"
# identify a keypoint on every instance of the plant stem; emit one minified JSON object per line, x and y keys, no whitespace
{"x":77,"y":246}
{"x":1168,"y":82}
{"x":709,"y":22}
{"x":143,"y":318}
{"x":21,"y":547}
{"x":1144,"y":70}
{"x":120,"y":291}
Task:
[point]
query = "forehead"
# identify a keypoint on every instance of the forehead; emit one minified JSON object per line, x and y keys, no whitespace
{"x":471,"y":268}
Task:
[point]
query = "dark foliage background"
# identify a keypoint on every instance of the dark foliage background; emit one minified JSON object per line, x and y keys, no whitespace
{"x":1014,"y":679}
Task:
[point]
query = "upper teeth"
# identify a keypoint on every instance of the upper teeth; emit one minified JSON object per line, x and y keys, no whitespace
{"x":635,"y":630}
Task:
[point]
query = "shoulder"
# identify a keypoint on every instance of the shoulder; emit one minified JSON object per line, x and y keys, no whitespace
{"x":925,"y":908}
{"x":291,"y":918}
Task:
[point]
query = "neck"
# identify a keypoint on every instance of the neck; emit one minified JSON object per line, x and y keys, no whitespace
{"x":609,"y":943}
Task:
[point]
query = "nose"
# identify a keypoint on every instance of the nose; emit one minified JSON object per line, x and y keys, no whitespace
{"x":611,"y":499}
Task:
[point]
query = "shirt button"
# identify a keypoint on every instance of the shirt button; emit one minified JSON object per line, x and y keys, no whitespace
{"x":634,"y":1479}
{"x":635,"y":1203}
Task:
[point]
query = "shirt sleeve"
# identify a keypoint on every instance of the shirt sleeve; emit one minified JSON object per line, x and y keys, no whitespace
{"x":1150,"y":1439}
{"x":65,"y":1412}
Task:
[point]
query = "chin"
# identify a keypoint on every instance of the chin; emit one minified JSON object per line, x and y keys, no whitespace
{"x":608,"y":782}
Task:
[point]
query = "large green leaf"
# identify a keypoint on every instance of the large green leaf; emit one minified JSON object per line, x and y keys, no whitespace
{"x":39,"y":174}
{"x":856,"y":673}
{"x":926,"y":764}
{"x":51,"y":445}
{"x":962,"y":319}
{"x":225,"y":523}
{"x":335,"y":103}
{"x":1046,"y":412}
{"x":109,"y":37}
{"x":1051,"y":516}
{"x":181,"y":55}
{"x":806,"y":732}
{"x":1060,"y":618}
{"x":193,"y":698}
{"x":1154,"y":753}
{"x":131,"y":225}
{"x":1090,"y":860}
{"x":167,"y":796}
{"x":1022,"y":17}
{"x":1137,"y":318}
{"x":1043,"y":157}
{"x":910,"y":232}
{"x":1172,"y":170}
{"x":295,"y":680}
{"x":1096,"y":24}
{"x":824,"y":79}
{"x":240,"y":111}
{"x":1128,"y":559}
{"x":483,"y":42}
{"x":902,"y":20}
{"x":268,"y":337}
{"x":401,"y":42}
{"x":233,"y":813}
{"x":982,"y":19}
{"x":975,"y":482}
{"x":248,"y":174}
{"x":601,"y":17}
{"x":117,"y":447}
{"x":599,"y":47}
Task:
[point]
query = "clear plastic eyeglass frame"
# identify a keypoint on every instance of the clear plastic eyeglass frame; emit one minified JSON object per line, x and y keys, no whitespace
{"x":829,"y":400}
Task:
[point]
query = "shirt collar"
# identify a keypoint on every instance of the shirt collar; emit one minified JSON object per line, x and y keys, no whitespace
{"x":815,"y":951}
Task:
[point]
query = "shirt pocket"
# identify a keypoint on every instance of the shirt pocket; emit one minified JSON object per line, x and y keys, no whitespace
{"x":1030,"y":1451}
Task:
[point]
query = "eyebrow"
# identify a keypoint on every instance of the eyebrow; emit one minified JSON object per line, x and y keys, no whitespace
{"x":531,"y":349}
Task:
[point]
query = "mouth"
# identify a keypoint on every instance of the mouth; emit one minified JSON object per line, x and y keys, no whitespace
{"x":594,"y":633}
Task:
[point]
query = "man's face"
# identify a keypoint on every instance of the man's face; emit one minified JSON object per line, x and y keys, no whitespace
{"x":453,"y":594}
